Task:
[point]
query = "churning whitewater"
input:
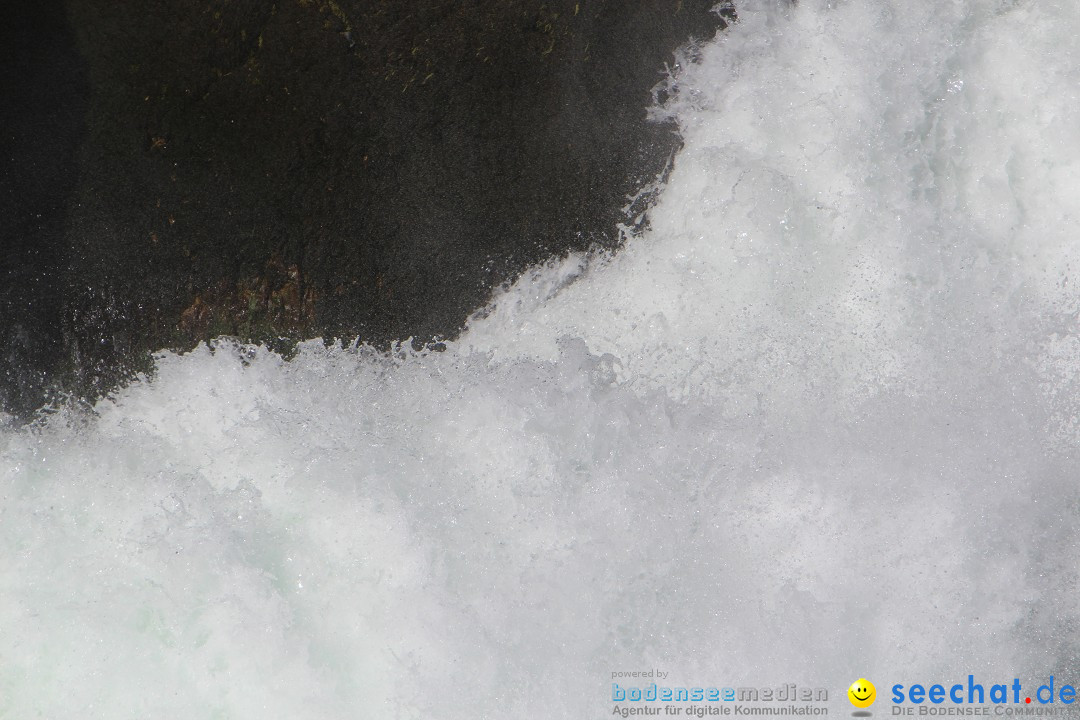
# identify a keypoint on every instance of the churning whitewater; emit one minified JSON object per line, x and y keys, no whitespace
{"x":818,"y":423}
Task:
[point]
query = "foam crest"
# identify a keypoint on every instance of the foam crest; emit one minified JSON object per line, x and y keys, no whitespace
{"x":817,"y":423}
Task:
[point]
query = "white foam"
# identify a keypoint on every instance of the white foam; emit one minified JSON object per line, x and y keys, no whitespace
{"x":818,"y":423}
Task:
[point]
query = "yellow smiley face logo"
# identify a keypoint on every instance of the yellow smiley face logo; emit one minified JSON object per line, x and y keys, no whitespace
{"x":862,"y":693}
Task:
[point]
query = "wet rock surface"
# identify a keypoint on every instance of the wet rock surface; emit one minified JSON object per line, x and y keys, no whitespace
{"x":275,"y":171}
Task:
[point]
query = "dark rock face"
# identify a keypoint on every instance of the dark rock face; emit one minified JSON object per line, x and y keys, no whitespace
{"x":43,"y":100}
{"x":313,"y":167}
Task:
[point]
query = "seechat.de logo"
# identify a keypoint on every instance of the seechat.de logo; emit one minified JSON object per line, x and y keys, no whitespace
{"x":862,"y":693}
